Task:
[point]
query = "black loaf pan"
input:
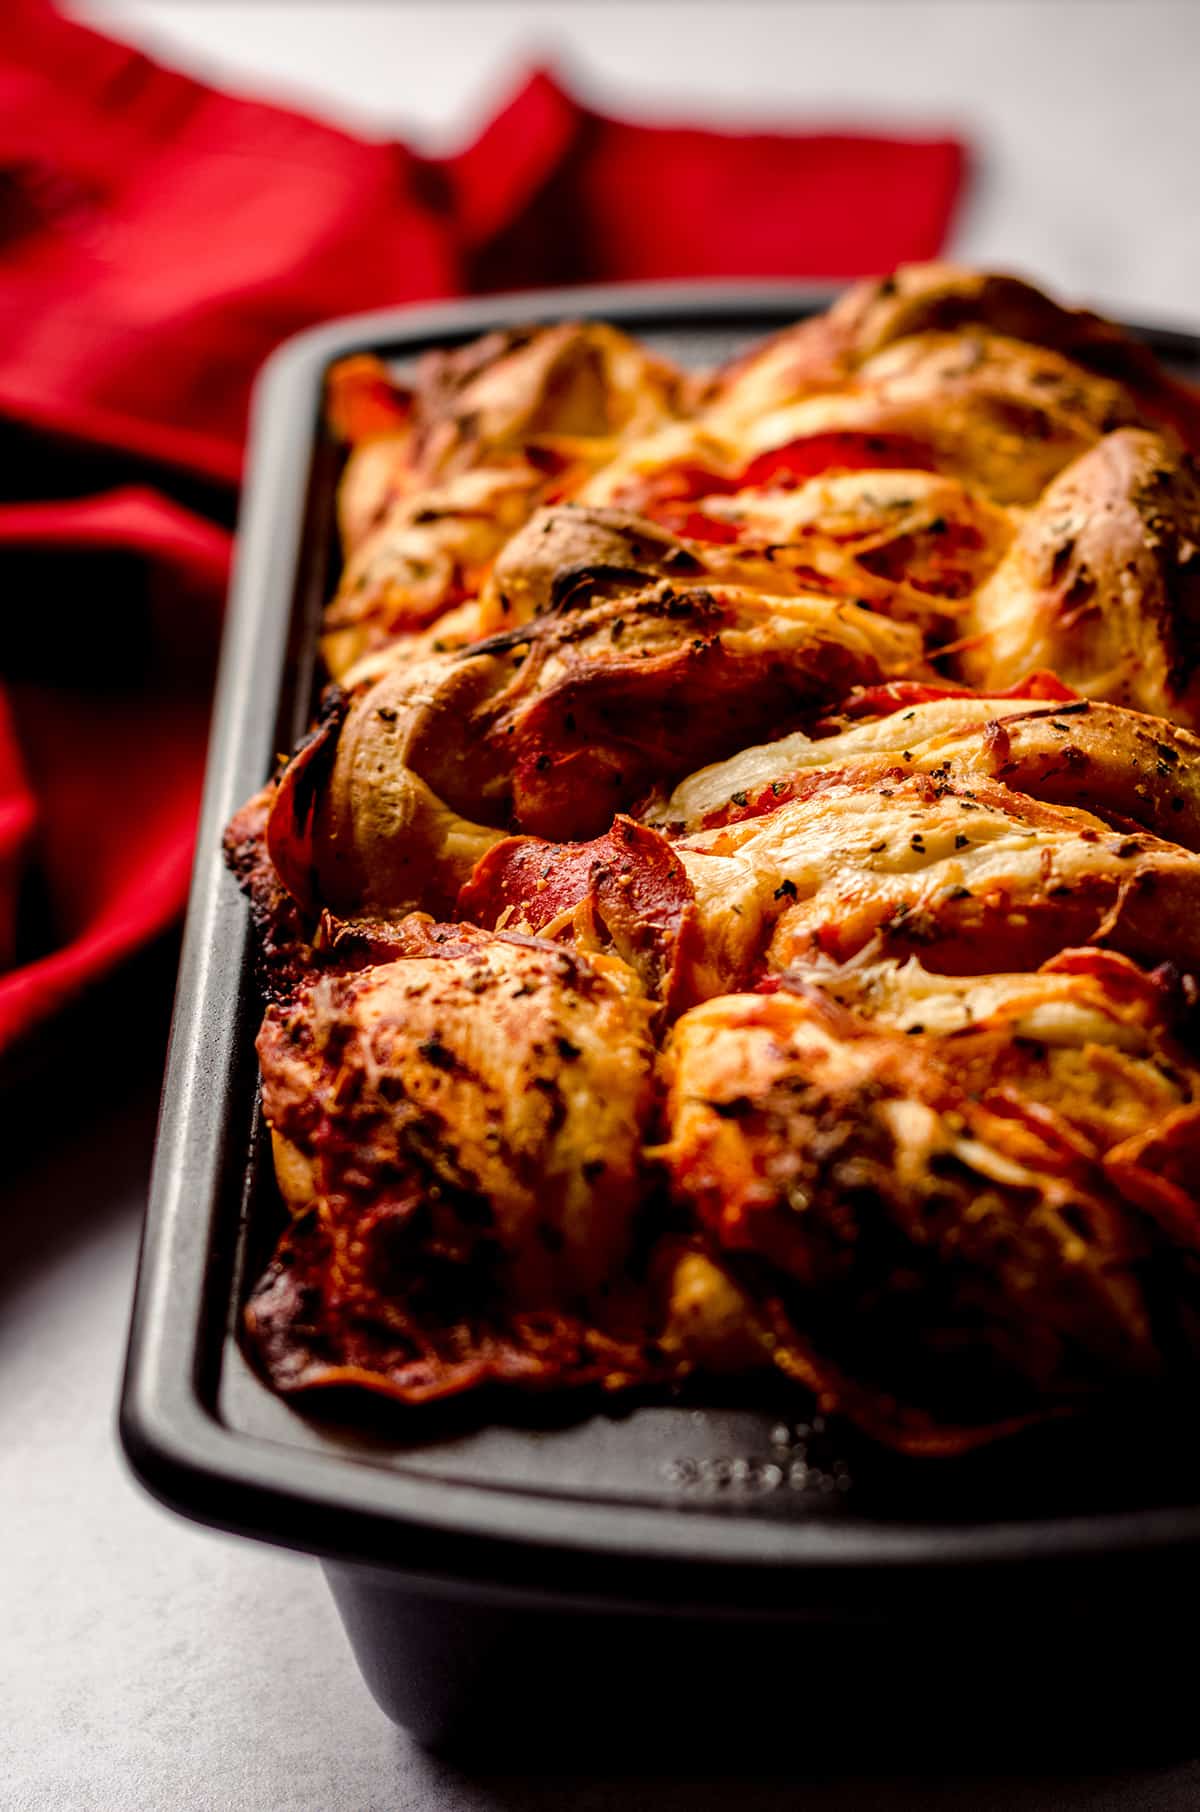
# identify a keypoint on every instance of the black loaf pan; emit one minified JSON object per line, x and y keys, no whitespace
{"x":721,"y":1573}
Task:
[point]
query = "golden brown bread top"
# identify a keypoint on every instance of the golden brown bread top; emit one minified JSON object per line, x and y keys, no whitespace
{"x":443,"y":470}
{"x":1002,"y":415}
{"x":970,"y":874}
{"x":1134,"y":770}
{"x":1102,"y":583}
{"x":872,"y":1168}
{"x":806,"y":713}
{"x":974,"y":831}
{"x":503,"y":1080}
{"x":828,"y":351}
{"x":557,"y":723}
{"x":458,"y":1133}
{"x":484,"y":433}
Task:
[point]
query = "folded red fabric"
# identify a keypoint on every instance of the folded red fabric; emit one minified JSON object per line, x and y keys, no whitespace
{"x":157,"y":240}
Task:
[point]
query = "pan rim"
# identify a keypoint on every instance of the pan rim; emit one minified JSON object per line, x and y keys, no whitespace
{"x":335,"y":1505}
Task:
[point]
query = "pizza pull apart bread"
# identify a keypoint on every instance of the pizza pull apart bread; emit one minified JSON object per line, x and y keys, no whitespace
{"x":737,"y":908}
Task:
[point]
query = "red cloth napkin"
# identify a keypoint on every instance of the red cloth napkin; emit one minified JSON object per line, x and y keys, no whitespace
{"x":157,"y":239}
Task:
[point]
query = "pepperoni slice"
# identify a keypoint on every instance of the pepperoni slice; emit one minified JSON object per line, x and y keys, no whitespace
{"x":637,"y":886}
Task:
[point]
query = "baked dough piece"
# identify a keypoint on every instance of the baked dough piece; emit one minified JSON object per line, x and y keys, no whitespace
{"x":1132,"y":769}
{"x":909,"y":543}
{"x":971,"y":830}
{"x":1102,"y":583}
{"x":439,"y":480}
{"x":959,"y":1227}
{"x":996,"y":416}
{"x":458,"y":1132}
{"x":966,"y":871}
{"x":830,"y":351}
{"x":636,"y":667}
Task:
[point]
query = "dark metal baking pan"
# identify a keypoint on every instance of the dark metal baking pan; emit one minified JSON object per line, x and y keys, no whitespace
{"x":495,"y":1563}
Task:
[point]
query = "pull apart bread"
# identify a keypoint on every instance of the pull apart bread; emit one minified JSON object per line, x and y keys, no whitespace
{"x":738,"y":907}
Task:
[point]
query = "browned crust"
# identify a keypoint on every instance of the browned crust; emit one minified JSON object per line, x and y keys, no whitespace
{"x":825,"y":352}
{"x":594,"y":658}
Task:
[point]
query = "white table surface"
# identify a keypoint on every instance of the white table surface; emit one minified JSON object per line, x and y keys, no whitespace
{"x":147,"y":1664}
